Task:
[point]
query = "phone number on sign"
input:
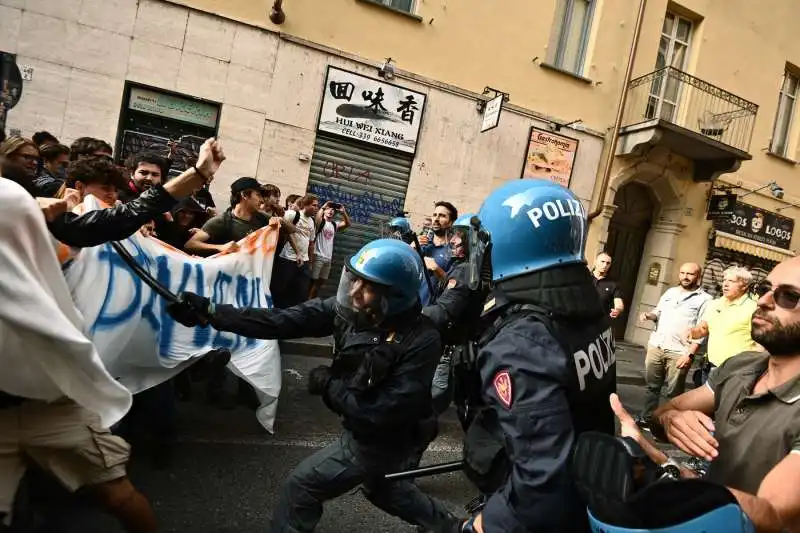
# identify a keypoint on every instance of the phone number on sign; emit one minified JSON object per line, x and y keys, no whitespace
{"x":356,"y":134}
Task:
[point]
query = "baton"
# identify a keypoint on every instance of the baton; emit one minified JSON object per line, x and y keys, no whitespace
{"x":144,"y":274}
{"x":431,"y":470}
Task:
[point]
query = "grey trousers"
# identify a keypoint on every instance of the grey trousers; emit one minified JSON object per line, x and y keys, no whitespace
{"x":341,"y":467}
{"x":660,"y":370}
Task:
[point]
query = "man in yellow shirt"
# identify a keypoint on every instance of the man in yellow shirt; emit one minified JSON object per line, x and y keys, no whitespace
{"x":726,"y":320}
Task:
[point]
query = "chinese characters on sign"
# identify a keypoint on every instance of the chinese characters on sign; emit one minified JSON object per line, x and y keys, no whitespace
{"x":550,"y":156}
{"x":370,"y":110}
{"x":758,"y":225}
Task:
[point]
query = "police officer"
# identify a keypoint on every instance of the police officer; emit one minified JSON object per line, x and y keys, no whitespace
{"x":379,"y":383}
{"x":546,"y":362}
{"x":456,"y":311}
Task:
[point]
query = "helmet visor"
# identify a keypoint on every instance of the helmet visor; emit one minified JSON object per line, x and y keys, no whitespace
{"x":470,"y":243}
{"x":361,"y":301}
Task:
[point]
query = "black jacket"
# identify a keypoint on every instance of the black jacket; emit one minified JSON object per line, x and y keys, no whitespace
{"x":548,"y":367}
{"x":381,"y":377}
{"x":112,"y":224}
{"x":456,"y":309}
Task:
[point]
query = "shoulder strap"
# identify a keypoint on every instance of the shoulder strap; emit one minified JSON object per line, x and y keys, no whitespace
{"x":296,"y":217}
{"x":227,"y":218}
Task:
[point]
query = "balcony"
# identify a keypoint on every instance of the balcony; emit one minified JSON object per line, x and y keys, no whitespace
{"x":690,"y":117}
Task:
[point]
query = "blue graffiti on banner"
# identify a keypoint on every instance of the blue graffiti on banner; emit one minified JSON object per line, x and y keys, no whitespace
{"x":361,"y":206}
{"x":248,"y":293}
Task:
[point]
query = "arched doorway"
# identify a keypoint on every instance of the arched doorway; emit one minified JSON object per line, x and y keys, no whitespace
{"x":627,"y":233}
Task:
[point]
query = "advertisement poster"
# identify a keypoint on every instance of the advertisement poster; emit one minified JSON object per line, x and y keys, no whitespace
{"x":550,"y":156}
{"x":371,"y":111}
{"x":758,"y":225}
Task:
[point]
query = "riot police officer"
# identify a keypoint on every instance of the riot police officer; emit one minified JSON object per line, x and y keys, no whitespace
{"x":456,"y":311}
{"x":546,"y":361}
{"x":379,"y":383}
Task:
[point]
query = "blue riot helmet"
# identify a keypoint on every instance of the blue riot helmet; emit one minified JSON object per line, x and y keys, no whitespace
{"x":534,"y":225}
{"x":400,"y":228}
{"x":381,"y":280}
{"x":469,"y":242}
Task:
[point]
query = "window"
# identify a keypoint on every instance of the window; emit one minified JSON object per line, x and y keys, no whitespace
{"x":401,"y":5}
{"x":784,"y":119}
{"x":571,"y":34}
{"x":673,"y":51}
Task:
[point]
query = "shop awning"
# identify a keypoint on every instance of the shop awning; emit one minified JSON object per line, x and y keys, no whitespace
{"x":746,"y":246}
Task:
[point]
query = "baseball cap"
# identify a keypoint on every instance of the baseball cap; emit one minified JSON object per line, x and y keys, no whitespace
{"x":245,"y":184}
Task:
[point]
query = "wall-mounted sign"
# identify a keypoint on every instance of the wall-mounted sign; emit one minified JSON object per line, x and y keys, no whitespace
{"x":371,"y":111}
{"x":491,"y":115}
{"x":721,"y":206}
{"x":174,"y":107}
{"x":758,"y":225}
{"x":653,"y":273}
{"x":550,"y":156}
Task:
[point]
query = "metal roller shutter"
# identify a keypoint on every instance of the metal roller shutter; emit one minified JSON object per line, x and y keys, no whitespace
{"x":370,"y":182}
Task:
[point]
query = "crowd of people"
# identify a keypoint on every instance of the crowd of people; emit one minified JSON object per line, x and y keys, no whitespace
{"x":502,"y":316}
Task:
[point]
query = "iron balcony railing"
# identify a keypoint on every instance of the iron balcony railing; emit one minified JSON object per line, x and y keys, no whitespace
{"x":674,"y":96}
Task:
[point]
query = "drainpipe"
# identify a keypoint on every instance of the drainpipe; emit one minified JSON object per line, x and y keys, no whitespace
{"x":623,"y":98}
{"x":277,"y":16}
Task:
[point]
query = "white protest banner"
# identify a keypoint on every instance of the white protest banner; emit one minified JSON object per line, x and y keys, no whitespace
{"x":141,"y":345}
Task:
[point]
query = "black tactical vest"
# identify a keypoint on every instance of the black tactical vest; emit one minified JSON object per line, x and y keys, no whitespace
{"x":593,"y":378}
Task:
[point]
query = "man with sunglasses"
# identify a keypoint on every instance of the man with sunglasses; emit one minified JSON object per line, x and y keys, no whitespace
{"x":746,"y":420}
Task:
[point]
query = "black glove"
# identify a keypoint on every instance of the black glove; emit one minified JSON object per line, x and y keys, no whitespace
{"x":376,"y":365}
{"x":191,"y":310}
{"x":318,"y":380}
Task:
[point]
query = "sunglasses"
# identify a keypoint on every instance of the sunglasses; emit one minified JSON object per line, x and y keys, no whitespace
{"x":785,"y":296}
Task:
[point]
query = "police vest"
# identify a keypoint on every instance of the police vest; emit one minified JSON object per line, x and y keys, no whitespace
{"x":590,"y":347}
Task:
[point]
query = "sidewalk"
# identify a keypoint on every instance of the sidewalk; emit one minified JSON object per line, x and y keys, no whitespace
{"x":630,"y":357}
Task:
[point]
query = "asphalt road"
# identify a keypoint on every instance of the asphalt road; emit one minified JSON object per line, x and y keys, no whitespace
{"x":227,"y":468}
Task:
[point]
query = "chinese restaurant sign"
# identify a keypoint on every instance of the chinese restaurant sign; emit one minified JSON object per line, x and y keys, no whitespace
{"x":550,"y":156}
{"x":371,"y":111}
{"x":758,"y":225}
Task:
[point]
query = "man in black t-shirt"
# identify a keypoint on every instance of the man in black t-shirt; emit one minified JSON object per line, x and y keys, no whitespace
{"x":222,"y":232}
{"x":610,"y":295}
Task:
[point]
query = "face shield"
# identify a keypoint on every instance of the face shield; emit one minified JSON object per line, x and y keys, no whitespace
{"x":400,"y":228}
{"x":361,"y":302}
{"x":470,"y":242}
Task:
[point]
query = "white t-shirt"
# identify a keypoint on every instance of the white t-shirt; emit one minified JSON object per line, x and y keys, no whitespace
{"x":302,"y":237}
{"x":324,"y":242}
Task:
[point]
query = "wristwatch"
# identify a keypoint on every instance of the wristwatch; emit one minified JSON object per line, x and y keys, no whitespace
{"x":671,"y":469}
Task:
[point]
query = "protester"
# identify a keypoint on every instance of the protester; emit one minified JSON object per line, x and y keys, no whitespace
{"x":65,"y":401}
{"x":21,"y":152}
{"x":292,"y":276}
{"x":53,"y":173}
{"x":327,"y":228}
{"x":221,"y":233}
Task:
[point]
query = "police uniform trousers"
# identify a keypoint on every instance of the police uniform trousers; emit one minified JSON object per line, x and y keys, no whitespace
{"x":341,"y":467}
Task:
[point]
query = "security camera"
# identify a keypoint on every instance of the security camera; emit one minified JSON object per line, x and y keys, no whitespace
{"x":777,"y":191}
